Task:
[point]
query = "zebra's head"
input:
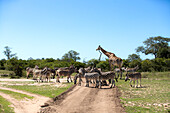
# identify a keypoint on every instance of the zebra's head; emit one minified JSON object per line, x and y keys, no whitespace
{"x":36,"y":67}
{"x":95,"y":70}
{"x":81,"y":71}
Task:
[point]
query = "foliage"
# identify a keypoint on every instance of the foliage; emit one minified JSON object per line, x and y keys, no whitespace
{"x":104,"y":65}
{"x":16,"y":66}
{"x":126,"y":63}
{"x":2,"y":64}
{"x":134,"y":63}
{"x":8,"y":53}
{"x":155,"y":45}
{"x":164,"y":53}
{"x":146,"y":65}
{"x":133,"y":57}
{"x":79,"y":64}
{"x":93,"y":62}
{"x":71,"y":55}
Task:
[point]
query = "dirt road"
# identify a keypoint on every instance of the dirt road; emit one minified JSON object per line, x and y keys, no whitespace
{"x":25,"y":106}
{"x":87,"y":100}
{"x":79,"y":100}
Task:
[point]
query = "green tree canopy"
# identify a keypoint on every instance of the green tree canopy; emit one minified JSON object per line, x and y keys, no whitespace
{"x":133,"y":57}
{"x":71,"y":55}
{"x":92,"y":62}
{"x":153,"y":45}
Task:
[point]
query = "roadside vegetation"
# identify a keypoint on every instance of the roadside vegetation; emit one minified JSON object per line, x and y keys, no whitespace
{"x":44,"y":90}
{"x":153,"y":97}
{"x":16,"y":95}
{"x":5,"y":106}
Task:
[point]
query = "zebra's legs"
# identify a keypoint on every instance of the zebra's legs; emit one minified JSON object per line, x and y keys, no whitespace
{"x":27,"y":74}
{"x":97,"y":83}
{"x":100,"y":84}
{"x":137,"y":84}
{"x":87,"y":83}
{"x":130,"y":83}
{"x":57,"y":79}
{"x":110,"y":81}
{"x":80,"y":81}
{"x":134,"y":83}
{"x":68,"y":79}
{"x":121,"y":74}
{"x":113,"y":82}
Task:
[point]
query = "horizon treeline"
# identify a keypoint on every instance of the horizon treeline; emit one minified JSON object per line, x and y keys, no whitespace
{"x":157,"y":46}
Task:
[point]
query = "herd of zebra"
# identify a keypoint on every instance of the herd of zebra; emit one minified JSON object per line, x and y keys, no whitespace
{"x":91,"y":75}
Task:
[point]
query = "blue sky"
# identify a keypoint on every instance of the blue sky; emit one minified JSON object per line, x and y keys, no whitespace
{"x":50,"y":28}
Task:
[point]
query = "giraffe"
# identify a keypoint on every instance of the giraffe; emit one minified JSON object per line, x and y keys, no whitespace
{"x":113,"y":59}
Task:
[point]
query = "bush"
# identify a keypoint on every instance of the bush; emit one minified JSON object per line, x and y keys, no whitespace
{"x":104,"y":65}
{"x":146,"y":65}
{"x":15,"y":65}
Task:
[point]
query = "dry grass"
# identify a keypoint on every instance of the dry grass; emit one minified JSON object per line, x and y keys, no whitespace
{"x":154,"y":96}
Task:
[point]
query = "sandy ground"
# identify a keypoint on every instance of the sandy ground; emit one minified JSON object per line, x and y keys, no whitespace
{"x":30,"y":80}
{"x":87,"y":100}
{"x":26,"y":105}
{"x":79,"y":100}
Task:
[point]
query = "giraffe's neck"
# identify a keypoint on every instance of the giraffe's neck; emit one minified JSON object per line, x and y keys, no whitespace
{"x":105,"y":52}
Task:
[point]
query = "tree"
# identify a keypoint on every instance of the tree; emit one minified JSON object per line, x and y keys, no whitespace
{"x":134,"y":63}
{"x":133,"y":57}
{"x":71,"y":55}
{"x":153,"y":45}
{"x":164,"y":53}
{"x":2,"y":63}
{"x":8,"y":53}
{"x":15,"y":65}
{"x":146,"y":65}
{"x":104,"y":65}
{"x":93,"y":62}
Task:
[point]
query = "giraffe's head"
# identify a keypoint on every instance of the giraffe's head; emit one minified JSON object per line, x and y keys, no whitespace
{"x":99,"y":48}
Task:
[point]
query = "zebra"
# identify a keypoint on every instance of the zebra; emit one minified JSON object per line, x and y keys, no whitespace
{"x":45,"y":74}
{"x":110,"y":75}
{"x":92,"y":76}
{"x":131,"y":69}
{"x":53,"y":72}
{"x":37,"y":73}
{"x":67,"y":72}
{"x":80,"y":75}
{"x":117,"y":70}
{"x":87,"y":69}
{"x":29,"y":71}
{"x":133,"y":76}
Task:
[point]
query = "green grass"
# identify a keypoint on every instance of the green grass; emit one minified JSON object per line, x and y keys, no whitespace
{"x":16,"y":95}
{"x":18,"y":82}
{"x":5,"y":106}
{"x":150,"y":98}
{"x":45,"y":90}
{"x":5,"y":72}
